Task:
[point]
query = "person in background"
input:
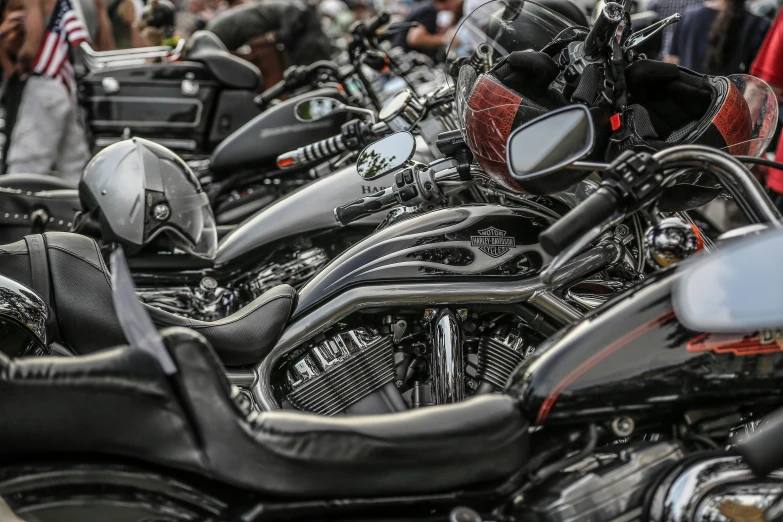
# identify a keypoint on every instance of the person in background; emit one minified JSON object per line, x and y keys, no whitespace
{"x":123,"y":15}
{"x":666,"y":8}
{"x":268,"y":26}
{"x":769,"y":67}
{"x":40,"y":95}
{"x":720,"y":37}
{"x":428,"y":38}
{"x":96,"y":18}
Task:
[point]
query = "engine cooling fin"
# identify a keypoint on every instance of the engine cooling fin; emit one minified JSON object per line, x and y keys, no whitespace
{"x":341,"y":385}
{"x":497,"y":360}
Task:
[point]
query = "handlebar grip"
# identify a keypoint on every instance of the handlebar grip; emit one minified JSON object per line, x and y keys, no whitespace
{"x":604,"y":29}
{"x":365,"y":207}
{"x":378,"y":22}
{"x":270,"y":94}
{"x":315,"y":151}
{"x":763,"y":451}
{"x":597,"y":208}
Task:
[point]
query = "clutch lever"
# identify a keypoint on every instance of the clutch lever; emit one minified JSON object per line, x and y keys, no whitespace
{"x":639,"y":37}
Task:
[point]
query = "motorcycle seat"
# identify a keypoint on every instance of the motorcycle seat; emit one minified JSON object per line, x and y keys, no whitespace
{"x":236,"y":73}
{"x":120,"y":403}
{"x":34,"y":182}
{"x":79,"y":295}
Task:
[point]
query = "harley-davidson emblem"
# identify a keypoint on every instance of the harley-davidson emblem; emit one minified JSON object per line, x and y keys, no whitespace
{"x":493,"y":242}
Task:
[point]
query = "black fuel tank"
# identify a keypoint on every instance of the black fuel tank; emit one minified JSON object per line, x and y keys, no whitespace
{"x":481,"y":242}
{"x":260,"y":141}
{"x":633,"y":358}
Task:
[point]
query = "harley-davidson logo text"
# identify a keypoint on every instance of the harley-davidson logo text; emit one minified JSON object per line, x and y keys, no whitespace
{"x":493,"y":242}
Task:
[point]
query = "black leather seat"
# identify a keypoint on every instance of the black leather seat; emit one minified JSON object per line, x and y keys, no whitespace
{"x":80,"y":296}
{"x":204,"y":47}
{"x":34,"y":182}
{"x":119,"y":402}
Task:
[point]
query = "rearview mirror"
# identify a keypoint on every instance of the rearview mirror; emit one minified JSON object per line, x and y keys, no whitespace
{"x":735,"y":290}
{"x":547,"y":144}
{"x":317,"y":108}
{"x":386,"y":155}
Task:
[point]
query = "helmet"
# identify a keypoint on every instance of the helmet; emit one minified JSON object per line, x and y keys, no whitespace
{"x":672,"y":105}
{"x":140,"y":190}
{"x":504,"y":60}
{"x":160,"y":14}
{"x":500,"y":61}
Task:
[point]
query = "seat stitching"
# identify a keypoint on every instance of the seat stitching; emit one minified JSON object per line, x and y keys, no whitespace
{"x":219,"y":323}
{"x":77,"y":256}
{"x":104,"y":268}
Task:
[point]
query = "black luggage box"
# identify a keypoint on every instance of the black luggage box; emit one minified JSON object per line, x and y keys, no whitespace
{"x":173,"y":104}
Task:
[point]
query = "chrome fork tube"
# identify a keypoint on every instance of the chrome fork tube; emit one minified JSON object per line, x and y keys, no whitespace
{"x":446,"y":360}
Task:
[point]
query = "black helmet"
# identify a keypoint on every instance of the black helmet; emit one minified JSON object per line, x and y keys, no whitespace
{"x":161,"y":14}
{"x":139,"y":190}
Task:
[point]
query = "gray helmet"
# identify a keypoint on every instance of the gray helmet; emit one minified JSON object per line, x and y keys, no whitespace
{"x":140,"y":190}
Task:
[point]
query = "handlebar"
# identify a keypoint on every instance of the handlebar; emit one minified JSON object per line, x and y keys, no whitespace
{"x":293,"y":78}
{"x":313,"y":152}
{"x":604,"y":29}
{"x":379,"y":21}
{"x":364,"y":207}
{"x":599,"y":207}
{"x":627,"y":187}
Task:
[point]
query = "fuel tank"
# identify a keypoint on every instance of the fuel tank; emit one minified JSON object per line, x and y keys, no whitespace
{"x":633,"y":358}
{"x":481,"y":242}
{"x":260,"y":141}
{"x":308,"y":209}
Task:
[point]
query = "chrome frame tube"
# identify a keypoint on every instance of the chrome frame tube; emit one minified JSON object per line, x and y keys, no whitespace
{"x":734,"y":176}
{"x":418,"y":294}
{"x":446,"y":360}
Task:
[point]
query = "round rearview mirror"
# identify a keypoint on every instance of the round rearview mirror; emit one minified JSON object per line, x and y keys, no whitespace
{"x":317,"y":108}
{"x":386,"y":155}
{"x":544,"y":145}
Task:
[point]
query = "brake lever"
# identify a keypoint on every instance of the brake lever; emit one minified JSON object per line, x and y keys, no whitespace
{"x":639,"y":37}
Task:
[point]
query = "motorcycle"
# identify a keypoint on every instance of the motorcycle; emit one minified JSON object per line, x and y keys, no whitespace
{"x":614,"y":460}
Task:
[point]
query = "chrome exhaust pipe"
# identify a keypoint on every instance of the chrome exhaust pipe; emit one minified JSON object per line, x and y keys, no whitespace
{"x":446,"y":361}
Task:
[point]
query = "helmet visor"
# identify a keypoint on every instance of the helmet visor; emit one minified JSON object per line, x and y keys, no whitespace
{"x":763,"y":112}
{"x":192,"y":225}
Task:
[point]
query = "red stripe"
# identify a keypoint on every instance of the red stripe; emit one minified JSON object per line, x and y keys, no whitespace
{"x":595,"y":359}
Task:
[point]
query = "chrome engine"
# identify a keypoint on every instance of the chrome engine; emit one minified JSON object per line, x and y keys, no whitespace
{"x":403,"y":362}
{"x":339,"y":373}
{"x":210,"y":301}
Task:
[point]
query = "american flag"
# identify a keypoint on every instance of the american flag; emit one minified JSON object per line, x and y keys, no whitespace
{"x":65,"y":28}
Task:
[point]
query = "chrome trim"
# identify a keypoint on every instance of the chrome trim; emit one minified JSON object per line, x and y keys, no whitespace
{"x":735,"y":178}
{"x":547,"y":302}
{"x":24,"y":307}
{"x":242,"y":377}
{"x":698,"y":491}
{"x":419,"y":294}
{"x":447,"y":359}
{"x":144,"y":100}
